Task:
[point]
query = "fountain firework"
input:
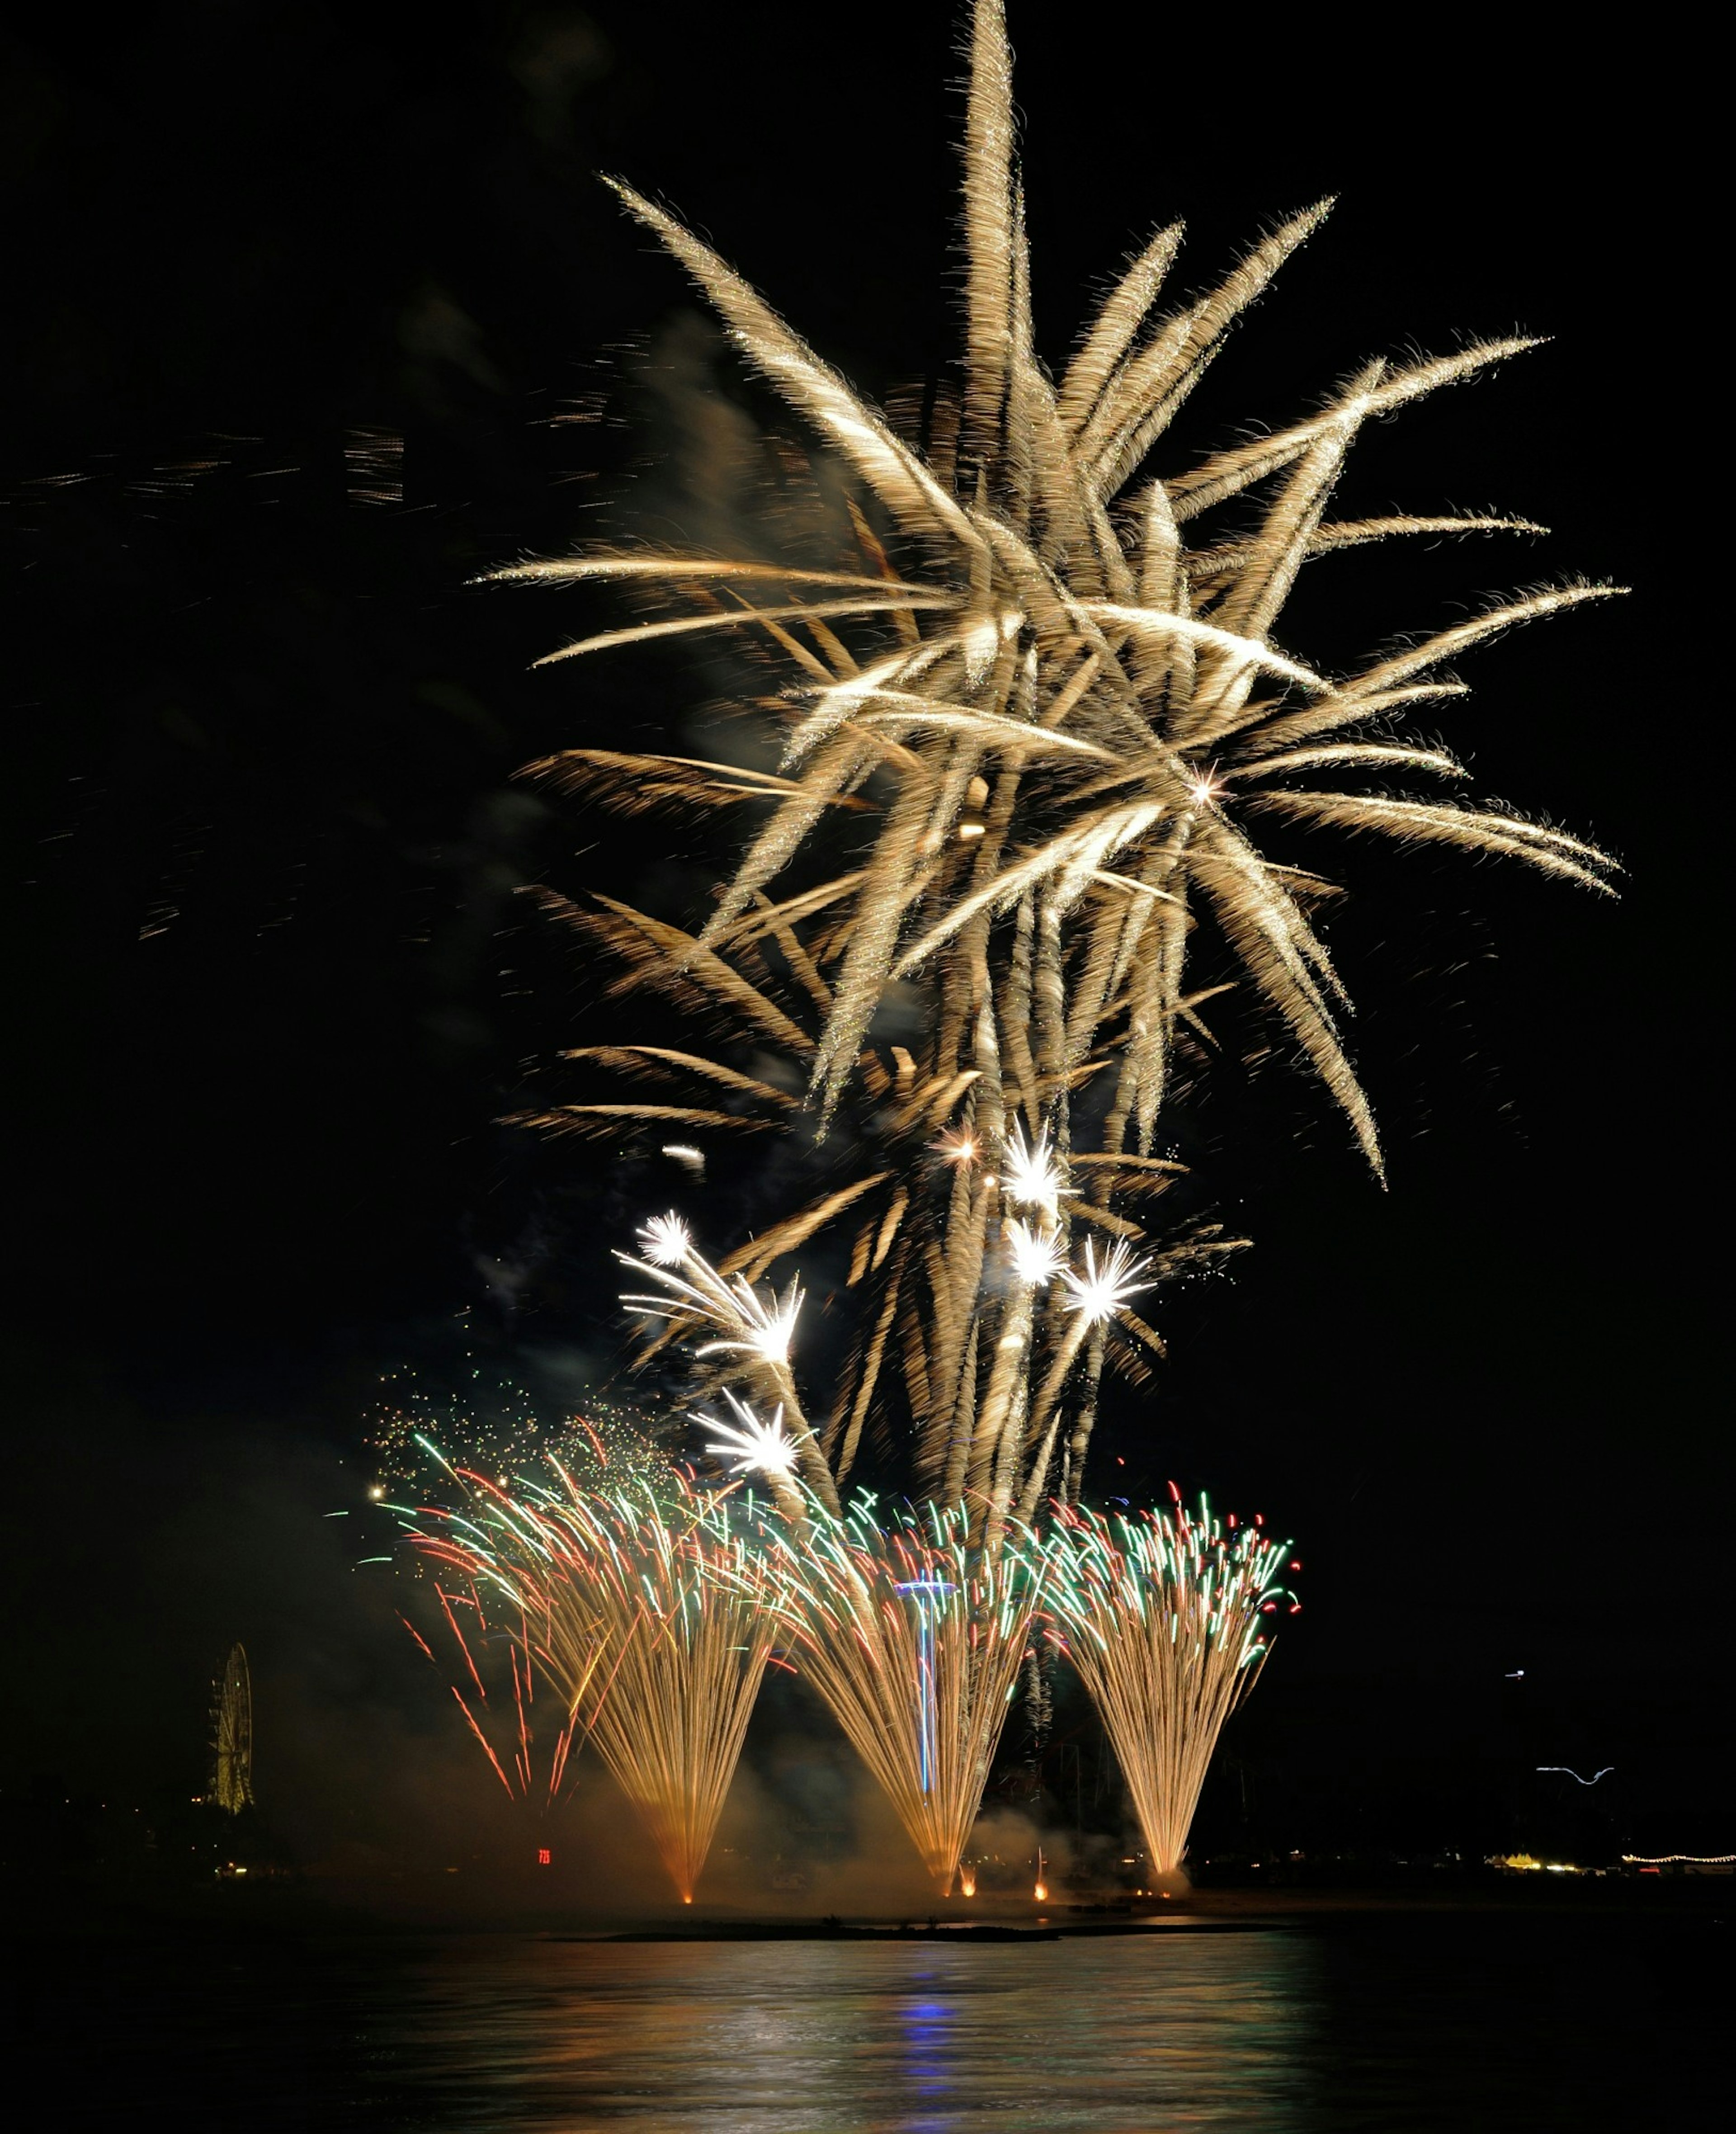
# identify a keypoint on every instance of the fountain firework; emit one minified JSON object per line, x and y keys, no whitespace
{"x":913,"y":1640}
{"x":1161,"y":1614}
{"x":644,"y":1610}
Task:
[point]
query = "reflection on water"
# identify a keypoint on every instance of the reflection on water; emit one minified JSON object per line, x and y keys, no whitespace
{"x":804,"y":2037}
{"x":1502,"y":2026}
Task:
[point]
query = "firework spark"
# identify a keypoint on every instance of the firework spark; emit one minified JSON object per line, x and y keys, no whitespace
{"x":1067,"y":707}
{"x":1161,"y":1615}
{"x":753,"y":1338}
{"x":1036,"y":1254}
{"x":643,"y":1615}
{"x":665,"y":1240}
{"x":1030,"y":1177}
{"x":1098,"y":1293}
{"x":755,"y":1447}
{"x":1037,"y":717}
{"x":913,"y":1640}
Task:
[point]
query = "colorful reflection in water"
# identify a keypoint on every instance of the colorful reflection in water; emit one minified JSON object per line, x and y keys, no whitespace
{"x":1416,"y":2024}
{"x":913,"y":2038}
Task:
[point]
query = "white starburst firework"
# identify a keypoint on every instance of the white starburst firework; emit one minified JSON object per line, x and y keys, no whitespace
{"x":756,"y":1447}
{"x":1100,"y":1292}
{"x":1036,"y":1254}
{"x":1031,"y":1179}
{"x":764,"y":1330}
{"x":665,"y":1240}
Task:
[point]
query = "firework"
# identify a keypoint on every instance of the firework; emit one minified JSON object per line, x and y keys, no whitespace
{"x":944,"y":1271}
{"x":1035,"y":717}
{"x":913,"y":1640}
{"x":642,"y":1613}
{"x":1067,"y":652}
{"x":506,"y":1427}
{"x":748,"y":1336}
{"x":691,"y":1638}
{"x":1161,"y":1613}
{"x":751,"y":1446}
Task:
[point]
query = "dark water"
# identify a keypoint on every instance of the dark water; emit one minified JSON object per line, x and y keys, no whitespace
{"x":1482,"y":2023}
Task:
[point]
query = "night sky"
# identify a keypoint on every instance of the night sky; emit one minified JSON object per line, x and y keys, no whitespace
{"x":271,"y":986}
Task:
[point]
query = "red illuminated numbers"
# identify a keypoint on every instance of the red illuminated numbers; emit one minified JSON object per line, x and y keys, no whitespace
{"x":543,"y":1856}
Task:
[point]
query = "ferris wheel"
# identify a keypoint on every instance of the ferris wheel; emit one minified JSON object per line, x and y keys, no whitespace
{"x":232,"y":1734}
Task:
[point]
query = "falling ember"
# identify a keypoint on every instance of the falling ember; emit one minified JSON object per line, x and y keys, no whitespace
{"x":967,"y":1881}
{"x":1160,"y":1615}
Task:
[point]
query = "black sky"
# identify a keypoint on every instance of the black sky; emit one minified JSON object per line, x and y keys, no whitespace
{"x":268,"y":987}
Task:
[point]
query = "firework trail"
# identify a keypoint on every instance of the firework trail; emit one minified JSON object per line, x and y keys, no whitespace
{"x":748,"y":1337}
{"x":1161,"y":1613}
{"x":642,"y":1612}
{"x":913,"y":1640}
{"x":1034,"y":719}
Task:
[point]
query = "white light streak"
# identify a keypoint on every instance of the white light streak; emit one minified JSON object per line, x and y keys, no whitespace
{"x":752,"y":1325}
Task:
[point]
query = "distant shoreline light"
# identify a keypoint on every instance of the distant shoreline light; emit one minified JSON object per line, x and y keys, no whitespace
{"x":1678,"y":1859}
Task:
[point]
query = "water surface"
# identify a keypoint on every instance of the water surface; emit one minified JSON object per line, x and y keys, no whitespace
{"x":1489,"y":2024}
